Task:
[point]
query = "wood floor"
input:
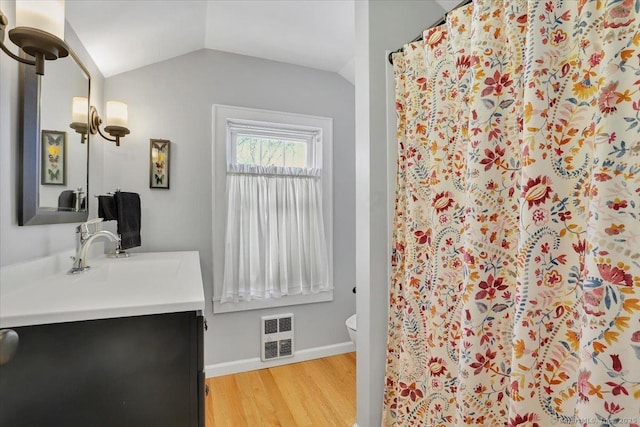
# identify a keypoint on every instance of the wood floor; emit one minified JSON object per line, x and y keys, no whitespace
{"x":316,"y":393}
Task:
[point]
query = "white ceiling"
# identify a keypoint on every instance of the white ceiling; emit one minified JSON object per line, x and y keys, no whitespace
{"x":124,"y":35}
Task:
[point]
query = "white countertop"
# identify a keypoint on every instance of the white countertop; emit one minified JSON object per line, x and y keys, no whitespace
{"x":40,"y":292}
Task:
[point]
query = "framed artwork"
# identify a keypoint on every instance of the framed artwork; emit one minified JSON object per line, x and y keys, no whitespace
{"x":159,"y":163}
{"x":53,"y":170}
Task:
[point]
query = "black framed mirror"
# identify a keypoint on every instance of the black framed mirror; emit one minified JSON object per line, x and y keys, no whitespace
{"x":54,"y":175}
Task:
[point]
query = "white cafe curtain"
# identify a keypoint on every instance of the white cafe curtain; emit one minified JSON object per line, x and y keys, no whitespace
{"x":274,"y":242}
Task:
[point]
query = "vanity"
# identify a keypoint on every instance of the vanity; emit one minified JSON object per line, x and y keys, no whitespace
{"x":118,"y":345}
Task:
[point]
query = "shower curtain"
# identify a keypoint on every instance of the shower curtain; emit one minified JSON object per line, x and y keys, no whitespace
{"x":515,"y":295}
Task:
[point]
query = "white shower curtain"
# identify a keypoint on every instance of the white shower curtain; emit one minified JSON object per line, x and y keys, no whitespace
{"x":275,"y":242}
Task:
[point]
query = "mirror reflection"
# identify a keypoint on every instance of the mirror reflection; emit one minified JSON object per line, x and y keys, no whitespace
{"x":55,"y":159}
{"x":63,"y":152}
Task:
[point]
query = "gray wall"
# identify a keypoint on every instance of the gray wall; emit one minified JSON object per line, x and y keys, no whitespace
{"x":173,"y":100}
{"x":17,"y":243}
{"x":381,"y":26}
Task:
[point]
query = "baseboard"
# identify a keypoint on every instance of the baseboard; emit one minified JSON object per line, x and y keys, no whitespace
{"x":245,"y":365}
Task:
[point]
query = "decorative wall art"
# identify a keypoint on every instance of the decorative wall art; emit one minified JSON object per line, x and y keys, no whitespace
{"x":159,"y":164}
{"x":54,"y":158}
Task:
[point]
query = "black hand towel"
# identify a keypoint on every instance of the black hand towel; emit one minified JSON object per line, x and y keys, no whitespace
{"x":129,"y":216}
{"x":107,"y":208}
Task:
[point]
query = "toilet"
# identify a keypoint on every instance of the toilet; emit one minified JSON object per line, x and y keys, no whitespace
{"x":351,"y":327}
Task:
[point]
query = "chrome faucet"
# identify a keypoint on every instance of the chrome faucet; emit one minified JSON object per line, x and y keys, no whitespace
{"x":84,"y":240}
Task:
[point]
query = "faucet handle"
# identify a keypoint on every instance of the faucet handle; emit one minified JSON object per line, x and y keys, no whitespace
{"x":84,"y":227}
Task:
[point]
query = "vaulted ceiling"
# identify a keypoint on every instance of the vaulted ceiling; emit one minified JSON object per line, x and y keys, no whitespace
{"x":124,"y":35}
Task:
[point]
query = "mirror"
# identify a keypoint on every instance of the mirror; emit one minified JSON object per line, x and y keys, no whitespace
{"x":55,"y":159}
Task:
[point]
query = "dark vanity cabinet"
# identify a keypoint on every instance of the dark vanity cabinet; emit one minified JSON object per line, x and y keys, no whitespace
{"x":129,"y":371}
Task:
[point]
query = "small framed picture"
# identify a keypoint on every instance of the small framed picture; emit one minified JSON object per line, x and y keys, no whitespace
{"x":159,"y":163}
{"x":53,"y":169}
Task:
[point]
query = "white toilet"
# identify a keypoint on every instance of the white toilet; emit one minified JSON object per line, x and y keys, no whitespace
{"x":351,"y":327}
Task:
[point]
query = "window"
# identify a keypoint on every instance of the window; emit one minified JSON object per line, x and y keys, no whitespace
{"x":272,"y":144}
{"x":272,"y":213}
{"x":264,"y":151}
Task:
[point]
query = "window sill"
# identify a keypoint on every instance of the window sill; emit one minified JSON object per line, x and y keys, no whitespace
{"x":257,"y":304}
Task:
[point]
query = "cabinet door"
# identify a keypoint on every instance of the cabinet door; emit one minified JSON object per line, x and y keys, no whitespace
{"x":135,"y":371}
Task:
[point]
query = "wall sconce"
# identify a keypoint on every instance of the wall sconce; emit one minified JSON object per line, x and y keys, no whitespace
{"x":116,"y":125}
{"x":39,"y":32}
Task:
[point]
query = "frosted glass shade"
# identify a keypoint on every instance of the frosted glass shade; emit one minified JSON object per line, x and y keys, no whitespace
{"x":117,"y":114}
{"x":80,"y":109}
{"x":45,"y":15}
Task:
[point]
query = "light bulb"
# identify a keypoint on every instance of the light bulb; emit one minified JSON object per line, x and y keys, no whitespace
{"x":45,"y":15}
{"x":117,"y":114}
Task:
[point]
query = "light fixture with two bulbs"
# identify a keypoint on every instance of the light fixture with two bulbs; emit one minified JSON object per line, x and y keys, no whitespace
{"x":86,"y":120}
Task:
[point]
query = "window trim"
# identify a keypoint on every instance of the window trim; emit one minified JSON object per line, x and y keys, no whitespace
{"x":323,"y":126}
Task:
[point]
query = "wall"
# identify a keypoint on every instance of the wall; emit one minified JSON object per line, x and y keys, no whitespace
{"x":173,"y":100}
{"x":381,"y":26}
{"x":17,"y":243}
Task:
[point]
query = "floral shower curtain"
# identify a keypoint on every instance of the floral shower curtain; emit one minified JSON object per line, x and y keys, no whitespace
{"x":515,"y":297}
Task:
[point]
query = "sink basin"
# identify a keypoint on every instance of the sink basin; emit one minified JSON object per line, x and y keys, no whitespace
{"x":145,"y":283}
{"x":138,"y":268}
{"x":155,"y":269}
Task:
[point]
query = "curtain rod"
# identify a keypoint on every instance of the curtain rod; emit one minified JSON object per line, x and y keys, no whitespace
{"x":435,"y":24}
